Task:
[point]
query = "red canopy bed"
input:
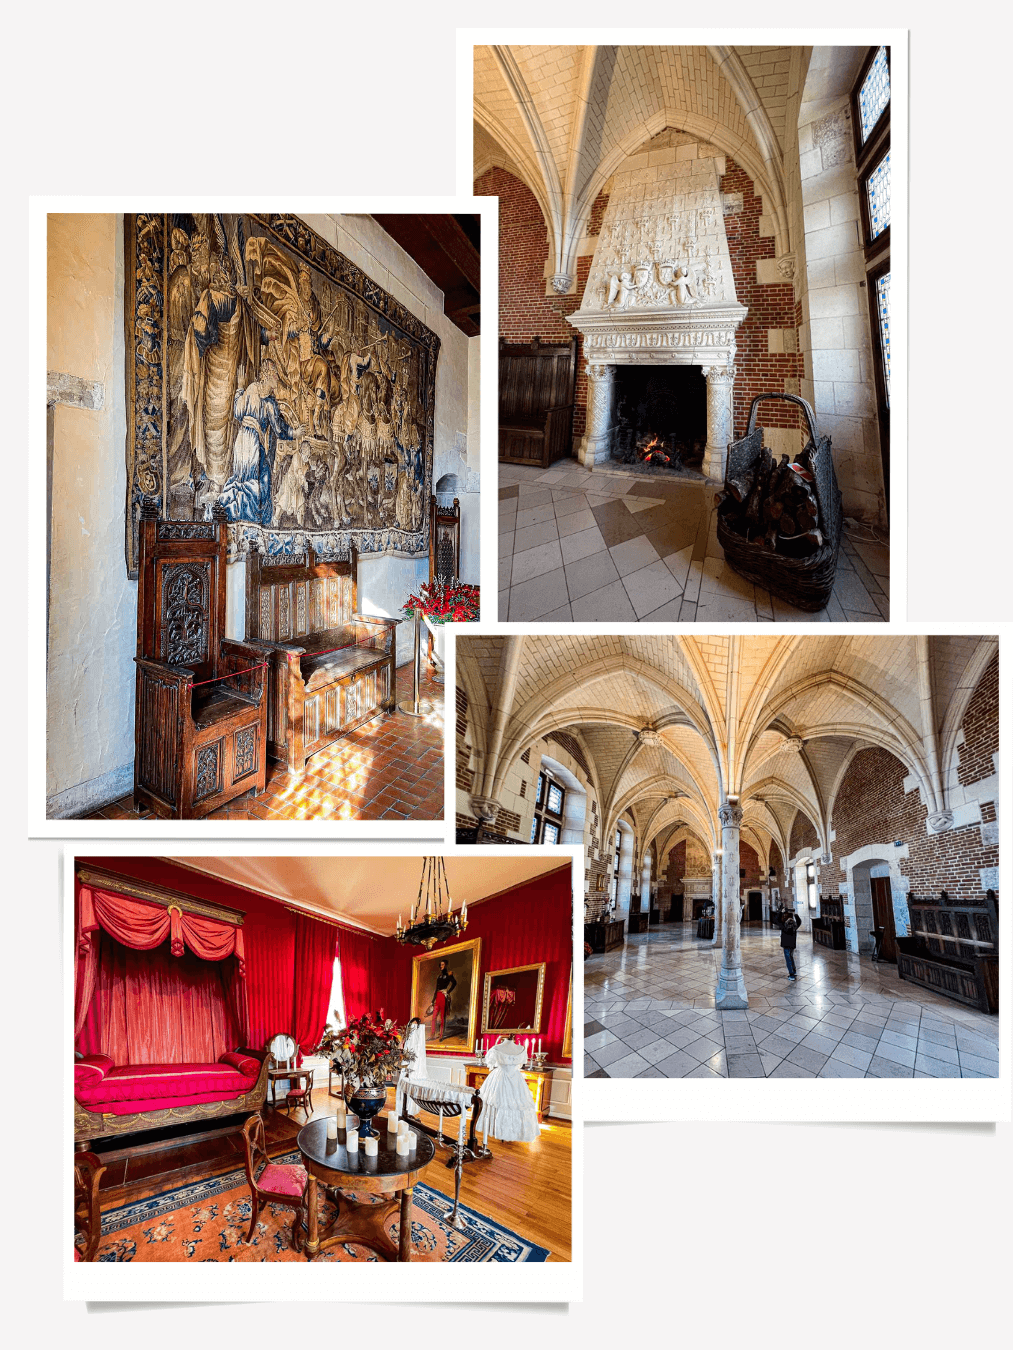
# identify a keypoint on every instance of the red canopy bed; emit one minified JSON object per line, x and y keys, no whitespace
{"x":162,"y":1018}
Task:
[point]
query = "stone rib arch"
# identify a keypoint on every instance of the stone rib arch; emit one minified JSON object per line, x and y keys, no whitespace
{"x":957,"y":708}
{"x":777,"y":787}
{"x":518,"y":164}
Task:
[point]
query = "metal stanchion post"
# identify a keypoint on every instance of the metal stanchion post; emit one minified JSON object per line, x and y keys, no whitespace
{"x":417,"y":707}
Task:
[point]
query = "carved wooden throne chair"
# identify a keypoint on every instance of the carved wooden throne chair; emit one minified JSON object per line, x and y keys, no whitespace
{"x":416,"y":1092}
{"x":444,"y":548}
{"x":200,"y":719}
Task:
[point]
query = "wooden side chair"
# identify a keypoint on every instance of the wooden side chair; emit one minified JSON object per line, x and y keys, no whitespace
{"x":88,"y":1172}
{"x":200,"y":718}
{"x":283,"y":1051}
{"x":273,"y":1183}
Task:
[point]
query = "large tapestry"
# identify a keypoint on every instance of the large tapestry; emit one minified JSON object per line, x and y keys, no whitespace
{"x":267,"y":374}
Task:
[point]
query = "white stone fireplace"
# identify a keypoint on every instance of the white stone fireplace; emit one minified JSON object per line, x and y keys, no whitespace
{"x":661,"y":291}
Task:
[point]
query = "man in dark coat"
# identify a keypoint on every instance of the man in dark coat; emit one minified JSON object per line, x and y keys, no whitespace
{"x":789,"y":928}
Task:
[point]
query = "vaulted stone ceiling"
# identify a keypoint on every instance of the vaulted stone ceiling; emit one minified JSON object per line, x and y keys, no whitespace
{"x":562,"y":119}
{"x":672,"y":725}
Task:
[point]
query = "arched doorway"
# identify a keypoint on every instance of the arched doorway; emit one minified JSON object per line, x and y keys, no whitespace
{"x":872,"y":890}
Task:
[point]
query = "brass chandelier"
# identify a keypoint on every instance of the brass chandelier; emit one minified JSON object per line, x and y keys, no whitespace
{"x":432,"y":918}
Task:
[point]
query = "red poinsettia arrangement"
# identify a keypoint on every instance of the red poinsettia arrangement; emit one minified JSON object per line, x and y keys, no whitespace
{"x":440,"y":603}
{"x":368,"y":1051}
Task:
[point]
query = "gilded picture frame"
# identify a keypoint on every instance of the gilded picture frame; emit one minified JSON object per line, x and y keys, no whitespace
{"x":510,"y":995}
{"x":451,"y":1032}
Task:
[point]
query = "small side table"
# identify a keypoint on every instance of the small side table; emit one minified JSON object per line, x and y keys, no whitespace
{"x":274,"y":1075}
{"x":329,"y":1164}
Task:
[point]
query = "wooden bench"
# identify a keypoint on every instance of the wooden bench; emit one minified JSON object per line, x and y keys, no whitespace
{"x":331,"y":668}
{"x":537,"y":381}
{"x":953,"y":949}
{"x":829,"y":928}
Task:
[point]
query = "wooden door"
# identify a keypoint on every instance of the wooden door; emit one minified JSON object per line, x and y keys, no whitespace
{"x":882,"y":917}
{"x":755,"y":906}
{"x":675,"y":913}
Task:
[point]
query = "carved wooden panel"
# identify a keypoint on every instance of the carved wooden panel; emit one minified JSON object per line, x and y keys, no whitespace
{"x":208,"y":779}
{"x":267,"y":613}
{"x":284,"y":613}
{"x":159,"y":707}
{"x":185,"y":612}
{"x":301,"y":620}
{"x":311,"y":720}
{"x":244,"y":753}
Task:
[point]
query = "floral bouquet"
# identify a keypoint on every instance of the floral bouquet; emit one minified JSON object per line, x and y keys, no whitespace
{"x":501,"y":1001}
{"x":367,"y":1051}
{"x":440,"y":603}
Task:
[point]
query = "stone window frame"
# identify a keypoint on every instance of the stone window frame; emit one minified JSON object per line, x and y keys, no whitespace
{"x":877,"y":251}
{"x":543,"y":815}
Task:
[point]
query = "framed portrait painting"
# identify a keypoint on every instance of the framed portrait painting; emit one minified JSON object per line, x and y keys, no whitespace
{"x":568,"y":1029}
{"x":445,"y":995}
{"x":513,"y":999}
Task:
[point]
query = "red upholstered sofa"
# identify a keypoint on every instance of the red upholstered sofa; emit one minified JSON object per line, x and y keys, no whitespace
{"x":122,"y":1098}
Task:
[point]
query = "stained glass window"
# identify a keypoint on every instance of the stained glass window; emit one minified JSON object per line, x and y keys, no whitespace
{"x":874,"y":94}
{"x":534,"y":831}
{"x":551,"y":835}
{"x":883,"y":309}
{"x":555,"y":799}
{"x":878,"y":188}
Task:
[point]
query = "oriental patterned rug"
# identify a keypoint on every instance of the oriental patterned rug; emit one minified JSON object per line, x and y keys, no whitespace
{"x":208,"y":1221}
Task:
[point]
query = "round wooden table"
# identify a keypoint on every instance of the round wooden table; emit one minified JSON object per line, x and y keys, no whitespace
{"x":329,"y":1164}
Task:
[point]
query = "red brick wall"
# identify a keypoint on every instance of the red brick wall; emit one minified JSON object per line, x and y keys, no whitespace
{"x":749,"y":862}
{"x":525,"y":311}
{"x":981,"y":728}
{"x":872,"y":808}
{"x":677,"y":866}
{"x":777,"y":864}
{"x":769,"y":307}
{"x":803,"y":835}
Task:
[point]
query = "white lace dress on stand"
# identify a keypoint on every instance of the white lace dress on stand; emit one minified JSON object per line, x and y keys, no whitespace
{"x":508,"y":1109}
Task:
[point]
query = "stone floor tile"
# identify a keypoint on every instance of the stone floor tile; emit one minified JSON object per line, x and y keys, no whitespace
{"x":979,"y":1064}
{"x":627,"y":1068}
{"x":636,"y":1040}
{"x":806,"y":1057}
{"x":597,"y":1039}
{"x":849,"y":1054}
{"x":786,"y":1069}
{"x":896,"y":1054}
{"x":936,"y":1068}
{"x":590,"y":574}
{"x":656,"y":1051}
{"x":650,"y":588}
{"x":703,"y":1047}
{"x":887,"y":1068}
{"x":745,"y":1066}
{"x":773,"y":1045}
{"x":651,"y":1073}
{"x":611,"y":604}
{"x":532,"y":536}
{"x":608,"y":1054}
{"x":633,"y":554}
{"x":574,"y":522}
{"x":668,"y":613}
{"x":530,"y":514}
{"x":837,"y":1068}
{"x":975,"y":1045}
{"x":539,"y":596}
{"x":536,"y":562}
{"x":677,"y":1065}
{"x":560,"y":615}
{"x":937,"y":1049}
{"x":860,"y":1042}
{"x":582,"y":544}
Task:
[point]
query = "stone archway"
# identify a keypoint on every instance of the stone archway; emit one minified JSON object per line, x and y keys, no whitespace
{"x":863,"y":867}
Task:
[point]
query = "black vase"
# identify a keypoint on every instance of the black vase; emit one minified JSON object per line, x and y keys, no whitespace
{"x":366,"y":1102}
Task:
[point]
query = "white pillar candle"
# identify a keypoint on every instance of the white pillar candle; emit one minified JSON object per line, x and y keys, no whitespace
{"x":413,"y":1140}
{"x":402,"y":1144}
{"x":370,"y":1146}
{"x":340,"y":1116}
{"x":392,"y":1123}
{"x":402,"y":1128}
{"x":352,"y":1141}
{"x":332,"y":1128}
{"x":353,"y":1121}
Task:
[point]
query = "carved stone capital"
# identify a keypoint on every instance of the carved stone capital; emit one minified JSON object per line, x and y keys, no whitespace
{"x":794,"y":744}
{"x":485,"y":808}
{"x":730,"y":815}
{"x":599,"y":370}
{"x":648,"y":736}
{"x":719,"y":374}
{"x":561,"y":282}
{"x":940,"y":821}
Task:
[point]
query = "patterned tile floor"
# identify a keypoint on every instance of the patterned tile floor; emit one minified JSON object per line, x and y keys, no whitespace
{"x":388,"y":769}
{"x":609,"y":546}
{"x":650,"y":1014}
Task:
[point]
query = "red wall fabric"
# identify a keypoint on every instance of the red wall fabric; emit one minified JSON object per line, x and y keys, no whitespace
{"x":151,"y":1007}
{"x":357,"y":953}
{"x":524,"y":926}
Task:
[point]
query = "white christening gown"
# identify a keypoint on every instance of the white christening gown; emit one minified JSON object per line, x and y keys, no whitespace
{"x":508,"y":1109}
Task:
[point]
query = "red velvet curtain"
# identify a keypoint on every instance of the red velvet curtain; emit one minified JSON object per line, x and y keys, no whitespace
{"x":140,"y":926}
{"x":356,"y":953}
{"x":315,"y":945}
{"x":151,"y":1007}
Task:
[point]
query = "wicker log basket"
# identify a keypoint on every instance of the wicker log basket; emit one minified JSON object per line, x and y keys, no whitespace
{"x":804,"y":582}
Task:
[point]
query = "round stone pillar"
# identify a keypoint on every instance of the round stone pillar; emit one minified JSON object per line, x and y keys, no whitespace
{"x":731,"y":987}
{"x":596,"y":443}
{"x":716,"y":895}
{"x":720,"y":384}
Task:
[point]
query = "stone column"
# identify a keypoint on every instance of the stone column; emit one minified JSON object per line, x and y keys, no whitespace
{"x":596,"y":442}
{"x":720,"y":383}
{"x":731,"y":987}
{"x":716,"y":895}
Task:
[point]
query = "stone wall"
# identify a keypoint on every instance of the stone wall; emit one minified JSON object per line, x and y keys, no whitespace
{"x":803,"y":835}
{"x":749,"y":863}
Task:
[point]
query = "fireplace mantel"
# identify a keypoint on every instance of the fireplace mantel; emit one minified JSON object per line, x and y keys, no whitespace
{"x":684,"y":335}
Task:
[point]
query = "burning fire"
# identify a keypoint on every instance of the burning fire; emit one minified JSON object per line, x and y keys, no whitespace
{"x":654,"y":453}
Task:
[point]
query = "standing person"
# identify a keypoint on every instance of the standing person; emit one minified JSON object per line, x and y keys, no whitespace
{"x":789,"y":928}
{"x":445,"y":986}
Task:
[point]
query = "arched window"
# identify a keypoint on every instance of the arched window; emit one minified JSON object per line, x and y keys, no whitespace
{"x":870,"y":106}
{"x":547,"y":822}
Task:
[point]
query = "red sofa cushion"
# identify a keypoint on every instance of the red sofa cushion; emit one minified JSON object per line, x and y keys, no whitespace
{"x":246,"y":1064}
{"x":283,"y":1179}
{"x":138,"y":1087}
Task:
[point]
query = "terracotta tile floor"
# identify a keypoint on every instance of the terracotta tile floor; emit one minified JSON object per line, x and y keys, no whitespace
{"x":609,"y":546}
{"x":388,"y":769}
{"x":649,"y":1011}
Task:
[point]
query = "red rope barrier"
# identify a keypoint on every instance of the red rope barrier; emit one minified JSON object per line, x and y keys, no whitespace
{"x":214,"y":680}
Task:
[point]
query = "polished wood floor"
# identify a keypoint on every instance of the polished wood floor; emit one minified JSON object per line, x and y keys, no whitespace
{"x":390,"y":768}
{"x":525,"y":1187}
